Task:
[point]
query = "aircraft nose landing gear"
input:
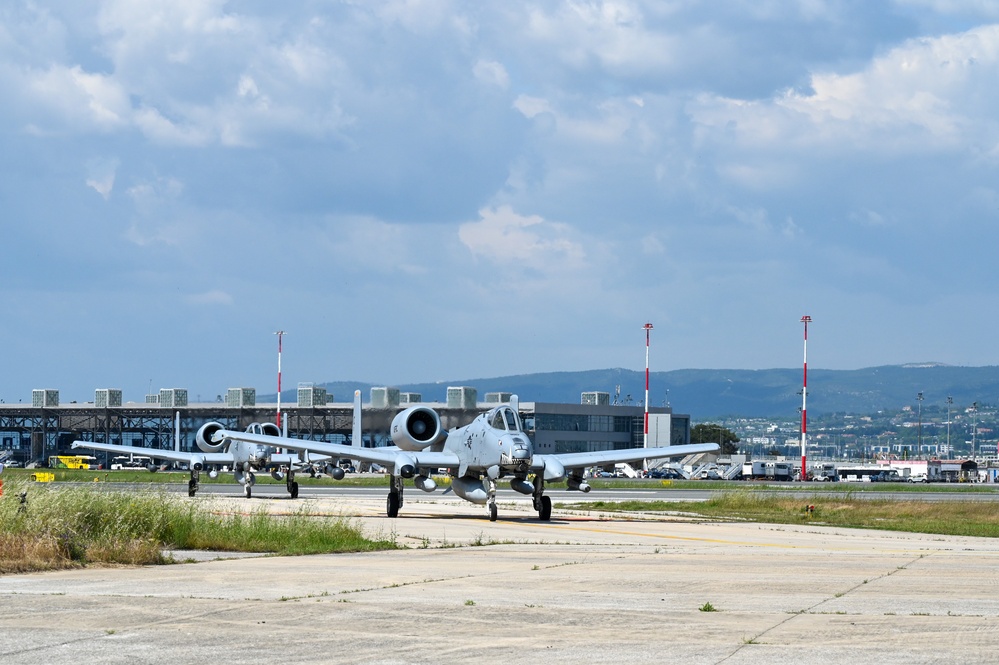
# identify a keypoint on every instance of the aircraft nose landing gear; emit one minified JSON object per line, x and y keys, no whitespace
{"x":493,"y":510}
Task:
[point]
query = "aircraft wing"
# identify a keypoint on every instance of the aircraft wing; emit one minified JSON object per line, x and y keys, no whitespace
{"x":578,"y":460}
{"x":387,"y":456}
{"x":172,"y":455}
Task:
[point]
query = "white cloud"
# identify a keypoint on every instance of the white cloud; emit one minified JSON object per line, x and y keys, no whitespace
{"x":922,"y":96}
{"x":101,"y":174}
{"x":506,"y":238}
{"x":154,"y":221}
{"x":491,"y":73}
{"x":379,"y":247}
{"x":73,"y":97}
{"x":211,"y":298}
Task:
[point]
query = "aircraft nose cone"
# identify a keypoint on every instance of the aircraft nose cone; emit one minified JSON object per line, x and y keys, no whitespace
{"x":521,"y":452}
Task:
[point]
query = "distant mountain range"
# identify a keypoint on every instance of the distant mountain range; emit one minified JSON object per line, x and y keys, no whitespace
{"x":711,"y":393}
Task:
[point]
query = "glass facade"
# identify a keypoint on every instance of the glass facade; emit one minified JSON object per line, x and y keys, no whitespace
{"x":563,"y":422}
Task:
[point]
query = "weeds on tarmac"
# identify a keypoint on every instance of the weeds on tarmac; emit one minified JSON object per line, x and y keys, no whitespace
{"x":64,"y":527}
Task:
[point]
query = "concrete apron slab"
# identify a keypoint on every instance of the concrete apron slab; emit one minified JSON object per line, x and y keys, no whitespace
{"x":582,"y":589}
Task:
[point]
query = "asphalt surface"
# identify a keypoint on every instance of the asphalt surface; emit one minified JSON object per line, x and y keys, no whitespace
{"x":583,"y":588}
{"x":623,"y":493}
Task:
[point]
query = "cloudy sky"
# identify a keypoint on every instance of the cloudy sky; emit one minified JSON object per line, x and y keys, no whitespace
{"x":421,"y":190}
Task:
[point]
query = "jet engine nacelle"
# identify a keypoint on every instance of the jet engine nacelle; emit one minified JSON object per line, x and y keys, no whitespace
{"x":204,"y":438}
{"x":416,"y":428}
{"x":470,"y":489}
{"x":269,"y":429}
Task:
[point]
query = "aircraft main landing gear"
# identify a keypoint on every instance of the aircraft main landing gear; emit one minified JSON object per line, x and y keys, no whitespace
{"x":291,"y":484}
{"x":394,"y":502}
{"x":192,"y":484}
{"x":542,"y":503}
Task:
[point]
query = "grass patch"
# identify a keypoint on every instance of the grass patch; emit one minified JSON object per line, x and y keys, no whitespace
{"x":64,"y":527}
{"x":956,"y":518}
{"x":144,"y":477}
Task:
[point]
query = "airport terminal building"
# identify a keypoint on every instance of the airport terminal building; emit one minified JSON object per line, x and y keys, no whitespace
{"x":167,"y":421}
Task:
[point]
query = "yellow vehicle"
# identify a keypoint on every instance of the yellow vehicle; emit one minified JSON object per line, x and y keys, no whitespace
{"x":72,"y":462}
{"x":42,"y":477}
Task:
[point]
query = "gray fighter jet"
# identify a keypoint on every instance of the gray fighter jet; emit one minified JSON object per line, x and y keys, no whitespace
{"x":491,"y":447}
{"x":245,"y":458}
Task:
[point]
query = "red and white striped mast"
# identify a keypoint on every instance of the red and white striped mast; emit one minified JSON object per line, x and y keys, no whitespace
{"x":804,"y":397}
{"x":648,"y":329}
{"x":280,"y":334}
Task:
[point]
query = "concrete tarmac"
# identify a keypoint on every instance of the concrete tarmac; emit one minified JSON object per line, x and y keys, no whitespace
{"x":583,"y":588}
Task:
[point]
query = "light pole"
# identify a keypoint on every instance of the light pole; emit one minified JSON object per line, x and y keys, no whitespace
{"x":804,"y":400}
{"x":280,"y":334}
{"x":648,"y":330}
{"x":919,"y":428}
{"x":974,"y":428}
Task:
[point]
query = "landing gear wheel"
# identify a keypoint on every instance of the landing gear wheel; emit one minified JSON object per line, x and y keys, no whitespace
{"x":294,"y":490}
{"x":492,"y":512}
{"x":247,"y":491}
{"x":392,"y":509}
{"x":545,"y":512}
{"x":192,"y":487}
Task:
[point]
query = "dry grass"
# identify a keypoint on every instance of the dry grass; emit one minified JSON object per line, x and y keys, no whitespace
{"x":960,"y":518}
{"x":64,"y":527}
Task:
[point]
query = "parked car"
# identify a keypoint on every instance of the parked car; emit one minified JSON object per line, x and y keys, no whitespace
{"x":823,"y":478}
{"x":919,"y":478}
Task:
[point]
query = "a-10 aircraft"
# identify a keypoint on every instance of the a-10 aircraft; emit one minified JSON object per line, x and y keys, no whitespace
{"x":491,"y":447}
{"x":243,"y":457}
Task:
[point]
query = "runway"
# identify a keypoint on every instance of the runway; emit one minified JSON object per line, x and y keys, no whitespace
{"x":583,"y":588}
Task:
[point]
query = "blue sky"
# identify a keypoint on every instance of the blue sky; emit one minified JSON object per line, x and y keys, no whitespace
{"x":423,"y":190}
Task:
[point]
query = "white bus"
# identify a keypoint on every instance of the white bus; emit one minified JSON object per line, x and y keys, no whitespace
{"x":130,"y":462}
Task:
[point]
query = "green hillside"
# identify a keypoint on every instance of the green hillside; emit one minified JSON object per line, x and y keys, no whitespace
{"x":708,"y":393}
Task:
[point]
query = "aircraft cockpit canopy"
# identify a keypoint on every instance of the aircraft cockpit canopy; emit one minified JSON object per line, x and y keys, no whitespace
{"x":505,"y":418}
